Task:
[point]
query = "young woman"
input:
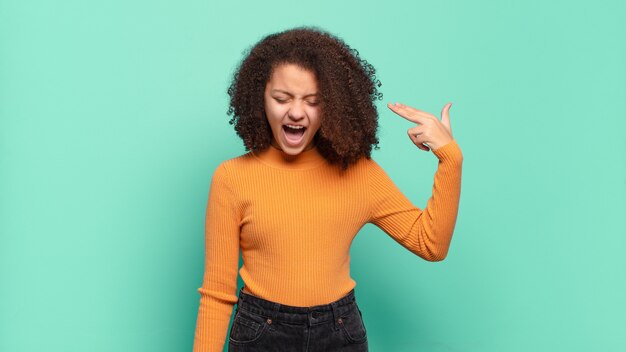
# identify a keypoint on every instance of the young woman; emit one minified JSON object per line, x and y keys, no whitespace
{"x":303,"y":101}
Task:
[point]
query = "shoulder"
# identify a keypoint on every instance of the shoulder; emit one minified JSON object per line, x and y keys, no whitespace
{"x":231,"y":171}
{"x":367,"y":165}
{"x":365,"y":169}
{"x":235,"y":164}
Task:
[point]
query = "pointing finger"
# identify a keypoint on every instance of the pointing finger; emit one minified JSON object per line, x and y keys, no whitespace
{"x":405,"y":113}
{"x":417,"y":111}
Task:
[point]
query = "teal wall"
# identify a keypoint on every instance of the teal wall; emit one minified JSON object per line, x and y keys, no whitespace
{"x":113,"y":118}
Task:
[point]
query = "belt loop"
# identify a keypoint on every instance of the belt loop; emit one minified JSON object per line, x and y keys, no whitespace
{"x":274,"y":312}
{"x":240,"y":299}
{"x":335,"y":310}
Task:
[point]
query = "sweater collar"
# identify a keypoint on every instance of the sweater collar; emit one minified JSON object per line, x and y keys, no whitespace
{"x":275,"y":157}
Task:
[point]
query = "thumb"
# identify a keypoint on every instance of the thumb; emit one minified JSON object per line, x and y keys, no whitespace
{"x":445,"y":115}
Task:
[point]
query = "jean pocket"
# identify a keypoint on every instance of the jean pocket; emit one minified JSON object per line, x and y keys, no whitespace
{"x":247,"y":327}
{"x":352,"y":325}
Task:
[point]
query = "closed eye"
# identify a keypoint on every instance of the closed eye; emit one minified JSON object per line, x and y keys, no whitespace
{"x":283,"y":101}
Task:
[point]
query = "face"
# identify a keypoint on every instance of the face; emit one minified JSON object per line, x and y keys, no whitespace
{"x":292,"y":106}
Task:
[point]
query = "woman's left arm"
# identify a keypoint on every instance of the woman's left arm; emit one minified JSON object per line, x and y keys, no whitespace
{"x":427,"y":232}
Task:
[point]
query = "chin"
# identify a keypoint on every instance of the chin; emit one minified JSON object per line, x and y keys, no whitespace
{"x":291,"y":149}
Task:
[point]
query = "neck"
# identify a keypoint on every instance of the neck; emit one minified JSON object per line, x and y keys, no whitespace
{"x":274,"y":156}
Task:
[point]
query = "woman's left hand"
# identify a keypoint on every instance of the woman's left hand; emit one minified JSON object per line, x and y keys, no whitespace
{"x":429,"y":129}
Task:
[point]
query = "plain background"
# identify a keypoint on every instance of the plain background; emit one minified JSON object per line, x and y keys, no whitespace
{"x":113,"y":118}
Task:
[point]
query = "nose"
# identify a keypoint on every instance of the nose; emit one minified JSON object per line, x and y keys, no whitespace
{"x":296,"y":111}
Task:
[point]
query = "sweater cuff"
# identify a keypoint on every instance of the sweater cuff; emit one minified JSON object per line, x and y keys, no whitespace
{"x":450,"y":151}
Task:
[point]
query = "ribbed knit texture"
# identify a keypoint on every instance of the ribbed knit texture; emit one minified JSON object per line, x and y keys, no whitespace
{"x":294,"y":219}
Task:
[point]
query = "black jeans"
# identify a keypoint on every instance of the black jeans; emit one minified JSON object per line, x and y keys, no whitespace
{"x":262,"y":325}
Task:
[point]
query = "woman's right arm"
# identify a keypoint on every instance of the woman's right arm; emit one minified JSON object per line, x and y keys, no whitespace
{"x":218,"y":292}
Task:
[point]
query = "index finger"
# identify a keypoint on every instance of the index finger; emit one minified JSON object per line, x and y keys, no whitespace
{"x":411,"y":115}
{"x":417,"y":111}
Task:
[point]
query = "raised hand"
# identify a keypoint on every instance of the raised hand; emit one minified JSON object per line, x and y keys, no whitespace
{"x":429,"y":132}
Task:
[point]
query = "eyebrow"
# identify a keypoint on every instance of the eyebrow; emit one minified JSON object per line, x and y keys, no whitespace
{"x":282,"y":91}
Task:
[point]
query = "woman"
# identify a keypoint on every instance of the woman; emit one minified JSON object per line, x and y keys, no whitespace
{"x":303,"y":102}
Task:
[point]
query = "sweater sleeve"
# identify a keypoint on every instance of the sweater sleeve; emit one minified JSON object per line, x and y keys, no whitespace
{"x":428,"y":232}
{"x":218,"y":292}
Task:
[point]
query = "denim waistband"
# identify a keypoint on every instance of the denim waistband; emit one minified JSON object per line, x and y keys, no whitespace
{"x":296,"y":315}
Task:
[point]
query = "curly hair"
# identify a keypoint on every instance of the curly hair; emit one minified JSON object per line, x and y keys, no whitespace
{"x":347,"y":85}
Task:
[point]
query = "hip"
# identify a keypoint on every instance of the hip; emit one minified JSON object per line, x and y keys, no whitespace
{"x":263,"y":325}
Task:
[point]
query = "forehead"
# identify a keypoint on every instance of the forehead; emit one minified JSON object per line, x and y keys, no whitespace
{"x":293,"y":79}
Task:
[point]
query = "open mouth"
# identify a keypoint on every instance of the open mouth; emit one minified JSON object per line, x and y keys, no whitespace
{"x":294,"y":133}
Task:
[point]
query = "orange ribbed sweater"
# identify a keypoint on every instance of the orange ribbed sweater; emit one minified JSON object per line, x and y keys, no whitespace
{"x":294,"y":219}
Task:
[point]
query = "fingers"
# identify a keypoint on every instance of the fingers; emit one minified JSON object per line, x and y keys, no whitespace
{"x":437,"y":129}
{"x":410,"y":114}
{"x":418,"y":138}
{"x":421,"y":146}
{"x":416,"y":131}
{"x":416,"y":111}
